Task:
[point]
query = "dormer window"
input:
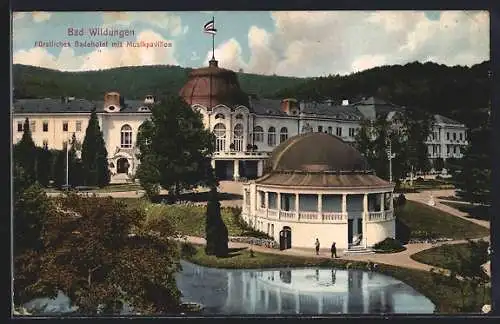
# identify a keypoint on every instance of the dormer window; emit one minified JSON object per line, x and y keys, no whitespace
{"x":143,"y":108}
{"x":111,"y":108}
{"x":149,"y":99}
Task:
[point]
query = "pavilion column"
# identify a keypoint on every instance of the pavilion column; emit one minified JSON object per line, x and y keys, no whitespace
{"x":278,"y":202}
{"x":344,"y":205}
{"x":320,"y":206}
{"x":365,"y":217}
{"x":391,"y":203}
{"x":260,"y":168}
{"x":236,"y":169}
{"x":297,"y":206}
{"x":382,"y":202}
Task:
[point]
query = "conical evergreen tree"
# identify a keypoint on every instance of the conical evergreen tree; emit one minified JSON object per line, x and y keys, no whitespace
{"x":44,"y":160}
{"x":94,"y":155}
{"x":24,"y":153}
{"x":215,"y":229}
{"x":75,"y":164}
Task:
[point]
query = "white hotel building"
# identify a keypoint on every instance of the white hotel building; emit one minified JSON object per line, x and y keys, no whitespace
{"x":247,"y":129}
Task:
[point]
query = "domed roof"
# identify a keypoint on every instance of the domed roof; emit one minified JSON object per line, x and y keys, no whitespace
{"x":319,"y":160}
{"x":211,"y":86}
{"x":316,"y":152}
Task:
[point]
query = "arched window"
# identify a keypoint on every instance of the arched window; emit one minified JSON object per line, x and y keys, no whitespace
{"x":258,"y":134}
{"x":220,"y":137}
{"x":126,"y":136}
{"x":271,"y":136}
{"x":219,"y":116}
{"x":238,"y":137}
{"x":283,"y":134}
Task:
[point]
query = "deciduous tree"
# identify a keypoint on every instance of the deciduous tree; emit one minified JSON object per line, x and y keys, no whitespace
{"x":175,"y":148}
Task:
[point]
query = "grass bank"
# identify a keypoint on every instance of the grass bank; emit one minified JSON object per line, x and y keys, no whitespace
{"x":442,"y":295}
{"x":416,"y":220}
{"x":475,"y":211}
{"x":441,"y":256}
{"x":189,"y":219}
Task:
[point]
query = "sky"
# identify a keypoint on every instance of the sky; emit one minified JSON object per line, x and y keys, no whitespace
{"x":288,"y":43}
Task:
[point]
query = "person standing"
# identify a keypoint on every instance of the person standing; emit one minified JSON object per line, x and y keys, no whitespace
{"x":333,"y":249}
{"x":317,"y":246}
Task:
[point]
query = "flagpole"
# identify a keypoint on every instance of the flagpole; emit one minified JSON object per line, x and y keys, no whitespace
{"x":213,"y":40}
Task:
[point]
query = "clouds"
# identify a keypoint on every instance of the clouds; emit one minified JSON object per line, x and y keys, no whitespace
{"x":321,"y":43}
{"x":284,"y":43}
{"x":102,"y":58}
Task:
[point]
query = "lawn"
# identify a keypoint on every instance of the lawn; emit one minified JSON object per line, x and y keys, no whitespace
{"x":441,"y":256}
{"x":442,"y":295}
{"x":189,"y":219}
{"x":416,"y":220}
{"x":109,"y":188}
{"x":421,"y":185}
{"x":475,"y":211}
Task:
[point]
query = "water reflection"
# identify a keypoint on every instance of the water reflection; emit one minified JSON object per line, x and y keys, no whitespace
{"x":297,"y":291}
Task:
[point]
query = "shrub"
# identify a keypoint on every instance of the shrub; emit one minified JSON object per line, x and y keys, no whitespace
{"x":389,"y":245}
{"x":187,"y":249}
{"x":401,"y":200}
{"x":424,"y":235}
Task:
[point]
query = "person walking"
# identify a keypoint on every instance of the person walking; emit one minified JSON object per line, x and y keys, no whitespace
{"x":333,"y":249}
{"x":317,"y":246}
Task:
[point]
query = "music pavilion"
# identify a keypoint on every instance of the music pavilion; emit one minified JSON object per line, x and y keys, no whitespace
{"x":317,"y":186}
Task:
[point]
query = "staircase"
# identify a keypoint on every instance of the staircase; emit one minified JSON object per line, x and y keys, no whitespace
{"x":120,"y":178}
{"x":358,"y":250}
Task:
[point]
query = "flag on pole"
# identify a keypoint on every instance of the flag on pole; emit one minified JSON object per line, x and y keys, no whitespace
{"x":210,"y":27}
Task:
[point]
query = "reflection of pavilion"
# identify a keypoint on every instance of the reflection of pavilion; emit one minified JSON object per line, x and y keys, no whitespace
{"x":309,"y":292}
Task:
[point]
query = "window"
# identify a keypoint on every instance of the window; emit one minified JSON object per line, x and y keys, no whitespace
{"x":447,"y":136}
{"x":330,"y":130}
{"x":65,"y":126}
{"x":126,"y":136}
{"x":239,"y":116}
{"x":339,"y":131}
{"x":45,"y":126}
{"x":320,"y":129}
{"x":454,"y":136}
{"x":448,"y":149}
{"x":78,"y":126}
{"x":45,"y":143}
{"x":271,"y":136}
{"x":238,"y":137}
{"x":461,"y":135}
{"x":19,"y":126}
{"x":33,"y":126}
{"x":352,"y":132}
{"x":283,"y":134}
{"x":220,"y":137}
{"x":455,"y":150}
{"x":219,"y":116}
{"x":258,"y":134}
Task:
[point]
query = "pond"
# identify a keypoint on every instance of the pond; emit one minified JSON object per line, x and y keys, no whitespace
{"x":308,"y":291}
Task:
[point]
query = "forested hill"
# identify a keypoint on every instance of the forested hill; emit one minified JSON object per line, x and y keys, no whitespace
{"x":455,"y":92}
{"x":132,"y":82}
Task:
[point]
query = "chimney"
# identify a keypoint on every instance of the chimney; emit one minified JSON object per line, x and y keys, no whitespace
{"x":289,"y":106}
{"x":345,"y":102}
{"x":112,"y":98}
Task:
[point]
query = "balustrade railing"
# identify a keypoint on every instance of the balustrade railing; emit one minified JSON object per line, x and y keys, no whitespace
{"x":334,"y":216}
{"x":272,"y":213}
{"x":287,"y":214}
{"x":308,"y":215}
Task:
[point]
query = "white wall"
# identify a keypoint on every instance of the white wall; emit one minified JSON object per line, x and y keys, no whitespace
{"x":379,"y":231}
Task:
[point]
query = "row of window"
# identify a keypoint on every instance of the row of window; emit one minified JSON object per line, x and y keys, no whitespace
{"x":125,"y":132}
{"x":45,"y":126}
{"x":434,"y":136}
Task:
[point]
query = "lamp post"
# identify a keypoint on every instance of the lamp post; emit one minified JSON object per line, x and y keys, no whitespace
{"x":390,"y":156}
{"x":67,"y":165}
